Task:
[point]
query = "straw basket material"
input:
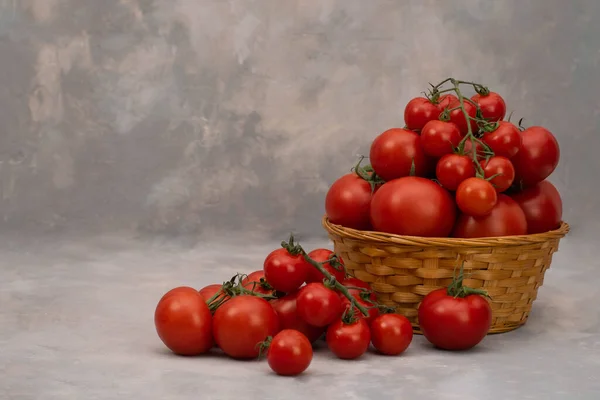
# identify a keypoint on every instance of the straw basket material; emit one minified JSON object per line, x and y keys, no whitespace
{"x":403,"y":269}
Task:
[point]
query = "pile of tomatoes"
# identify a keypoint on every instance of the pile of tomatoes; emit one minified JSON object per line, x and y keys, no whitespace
{"x":457,"y":168}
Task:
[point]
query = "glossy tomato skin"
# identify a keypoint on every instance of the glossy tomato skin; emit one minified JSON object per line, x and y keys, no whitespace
{"x":476,"y":197}
{"x":348,"y":341}
{"x":506,"y":219}
{"x":286,"y":308}
{"x":253,"y":282}
{"x":452,"y":169}
{"x":446,"y":100}
{"x":318,"y":305}
{"x":454,"y":323}
{"x":209,"y":291}
{"x":418,"y":112}
{"x":285,"y":272}
{"x":538,"y":156}
{"x":458,"y":117}
{"x":504,"y":170}
{"x":290,"y":353}
{"x":348,"y":201}
{"x":413,"y":206}
{"x":492,"y":106}
{"x":243,"y":322}
{"x":393,"y":152}
{"x":183,"y":322}
{"x":468,"y":150}
{"x":439,"y":138}
{"x":505,"y":140}
{"x":322,"y":255}
{"x":354,"y":286}
{"x":373,"y":311}
{"x":542,"y":206}
{"x":391,"y":334}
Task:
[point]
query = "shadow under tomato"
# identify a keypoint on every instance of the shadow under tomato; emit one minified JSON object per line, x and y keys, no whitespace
{"x":478,"y":349}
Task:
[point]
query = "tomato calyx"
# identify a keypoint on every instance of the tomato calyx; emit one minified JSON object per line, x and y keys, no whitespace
{"x":349,"y":316}
{"x":263,"y":347}
{"x":457,"y":289}
{"x":368,"y":174}
{"x":235,"y":287}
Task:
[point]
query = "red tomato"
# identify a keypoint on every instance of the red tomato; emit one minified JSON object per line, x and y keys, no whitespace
{"x":439,"y":138}
{"x":391,"y":334}
{"x":476,"y":197}
{"x":413,"y":206}
{"x":503,"y":168}
{"x":445,"y":100}
{"x":209,"y":291}
{"x":285,"y":272}
{"x":352,"y":282}
{"x":454,"y":323}
{"x":184,"y":322}
{"x":452,"y":169}
{"x":355,"y":286}
{"x":290,"y":353}
{"x":538,"y":156}
{"x":506,"y":219}
{"x":418,"y":112}
{"x":542,"y":206}
{"x":394,"y":151}
{"x":468,"y":150}
{"x":242,"y":323}
{"x":289,"y":318}
{"x":253,"y":282}
{"x":322,"y":255}
{"x":348,"y":341}
{"x":458,"y":117}
{"x":318,"y":305}
{"x":348,"y":201}
{"x":492,"y":106}
{"x":372,"y":309}
{"x":505,"y":140}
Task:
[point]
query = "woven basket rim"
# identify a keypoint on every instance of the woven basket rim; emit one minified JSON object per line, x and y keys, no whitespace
{"x":391,"y":239}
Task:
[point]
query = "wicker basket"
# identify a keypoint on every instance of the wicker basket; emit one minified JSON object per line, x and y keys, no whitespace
{"x":403,"y":269}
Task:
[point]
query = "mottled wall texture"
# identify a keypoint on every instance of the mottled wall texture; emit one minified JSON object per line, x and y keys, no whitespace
{"x":202,"y":117}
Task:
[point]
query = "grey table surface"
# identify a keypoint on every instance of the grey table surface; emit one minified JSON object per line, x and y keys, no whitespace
{"x":76,"y":323}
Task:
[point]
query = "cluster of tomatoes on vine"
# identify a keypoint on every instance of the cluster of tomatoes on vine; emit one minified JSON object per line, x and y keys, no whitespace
{"x":457,"y":168}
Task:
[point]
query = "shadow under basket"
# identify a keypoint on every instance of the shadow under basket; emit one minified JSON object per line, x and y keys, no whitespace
{"x":403,"y":269}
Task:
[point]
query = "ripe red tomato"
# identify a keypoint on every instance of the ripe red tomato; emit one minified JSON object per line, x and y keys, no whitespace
{"x":476,"y":197}
{"x":538,"y":156}
{"x":372,"y":309}
{"x":505,"y":140}
{"x":468,"y":150}
{"x":452,"y":169}
{"x":492,"y":106}
{"x":458,"y":117}
{"x":354,"y":286}
{"x":287,"y":309}
{"x":242,"y":323}
{"x":209,"y":291}
{"x":253,"y":282}
{"x":503,"y":168}
{"x":348,"y":202}
{"x":418,"y":112}
{"x":394,"y":151}
{"x":439,"y":138}
{"x":391,"y":334}
{"x":413,"y":206}
{"x":542,"y":206}
{"x":285,"y":272}
{"x":290,"y":353}
{"x":322,"y":255}
{"x":184,"y":322}
{"x":348,"y":340}
{"x":506,"y":219}
{"x":454,"y":323}
{"x":318,"y":305}
{"x":445,"y":100}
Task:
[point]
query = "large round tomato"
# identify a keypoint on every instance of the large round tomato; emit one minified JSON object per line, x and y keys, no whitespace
{"x":391,"y":334}
{"x":184,"y":322}
{"x":458,"y":117}
{"x":285,"y":272}
{"x":394,"y":151}
{"x":257,"y":283}
{"x":452,"y":169}
{"x":418,"y":112}
{"x":492,"y":106}
{"x":454,"y":323}
{"x":506,"y":219}
{"x":538,"y":156}
{"x":322,"y":255}
{"x":290,"y":353}
{"x":242,"y":323}
{"x":501,"y":169}
{"x":318,"y":305}
{"x":348,"y":201}
{"x":542,"y":206}
{"x":287,"y":309}
{"x":505,"y":140}
{"x":439,"y":138}
{"x":413,"y":206}
{"x":476,"y":197}
{"x":348,"y":340}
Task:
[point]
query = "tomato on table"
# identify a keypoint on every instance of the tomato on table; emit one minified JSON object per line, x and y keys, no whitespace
{"x":542,"y":206}
{"x":492,"y":106}
{"x":348,"y":201}
{"x":348,"y":339}
{"x":505,"y":219}
{"x":318,"y":305}
{"x":418,"y":112}
{"x":439,"y":138}
{"x":538,"y":156}
{"x":321,"y":255}
{"x":284,"y":271}
{"x":505,"y":140}
{"x":502,"y":171}
{"x":476,"y":197}
{"x":452,"y":169}
{"x":290,"y":353}
{"x":286,"y":308}
{"x":391,"y":334}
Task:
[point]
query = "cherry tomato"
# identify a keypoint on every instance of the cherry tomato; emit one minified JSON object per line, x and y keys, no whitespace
{"x":289,"y":318}
{"x":257,"y":283}
{"x":318,"y":305}
{"x":502,"y":168}
{"x":285,"y":272}
{"x":209,"y":291}
{"x":454,"y":323}
{"x":413,"y":206}
{"x":538,"y":156}
{"x":452,"y":169}
{"x":290,"y":353}
{"x":348,"y":202}
{"x":542,"y":206}
{"x":394,"y":151}
{"x":354,"y":286}
{"x":418,"y":112}
{"x":348,"y":340}
{"x":439,"y":138}
{"x":476,"y":197}
{"x":322,"y":255}
{"x":505,"y":140}
{"x":391,"y":334}
{"x":445,"y":100}
{"x":506,"y":219}
{"x":492,"y":106}
{"x":183,"y":322}
{"x":468,"y":150}
{"x":458,"y":117}
{"x":242,"y":323}
{"x":372,"y":309}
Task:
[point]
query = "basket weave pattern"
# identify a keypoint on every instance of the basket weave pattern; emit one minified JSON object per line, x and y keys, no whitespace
{"x":403,"y":269}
